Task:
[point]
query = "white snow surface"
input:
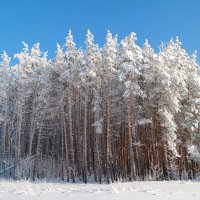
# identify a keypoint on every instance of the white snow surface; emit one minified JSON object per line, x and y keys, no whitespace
{"x":148,"y":190}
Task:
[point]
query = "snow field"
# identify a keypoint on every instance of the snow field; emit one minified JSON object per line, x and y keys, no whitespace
{"x":171,"y":190}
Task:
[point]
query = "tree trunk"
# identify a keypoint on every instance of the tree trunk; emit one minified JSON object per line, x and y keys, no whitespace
{"x":71,"y":139}
{"x":85,"y":141}
{"x":132,"y":175}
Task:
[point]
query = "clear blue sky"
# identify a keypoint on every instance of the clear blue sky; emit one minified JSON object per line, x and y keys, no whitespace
{"x":48,"y":21}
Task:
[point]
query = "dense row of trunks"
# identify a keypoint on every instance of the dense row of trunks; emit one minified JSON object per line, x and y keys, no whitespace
{"x":87,"y":128}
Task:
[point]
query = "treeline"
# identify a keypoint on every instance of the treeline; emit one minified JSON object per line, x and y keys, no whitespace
{"x":116,"y":113}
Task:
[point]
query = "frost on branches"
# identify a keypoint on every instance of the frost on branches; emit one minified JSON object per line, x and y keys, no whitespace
{"x":120,"y":112}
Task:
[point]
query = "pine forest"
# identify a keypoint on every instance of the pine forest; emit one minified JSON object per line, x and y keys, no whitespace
{"x":119,"y":112}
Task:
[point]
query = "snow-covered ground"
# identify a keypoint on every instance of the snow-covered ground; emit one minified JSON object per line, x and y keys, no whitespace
{"x":176,"y":190}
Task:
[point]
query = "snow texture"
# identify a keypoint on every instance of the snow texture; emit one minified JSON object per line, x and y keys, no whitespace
{"x":171,"y":190}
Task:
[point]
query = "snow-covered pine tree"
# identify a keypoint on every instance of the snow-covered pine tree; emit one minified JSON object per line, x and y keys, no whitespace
{"x":111,"y":113}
